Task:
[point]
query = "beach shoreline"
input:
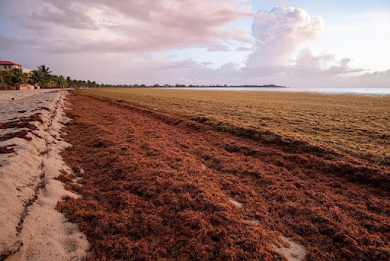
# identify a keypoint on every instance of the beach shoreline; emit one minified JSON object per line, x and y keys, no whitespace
{"x":32,"y":228}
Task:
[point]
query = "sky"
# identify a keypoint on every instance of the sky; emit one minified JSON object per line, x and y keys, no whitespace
{"x":297,"y":43}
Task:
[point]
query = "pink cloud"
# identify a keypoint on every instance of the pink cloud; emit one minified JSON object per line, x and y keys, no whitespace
{"x":133,"y":25}
{"x":237,"y":34}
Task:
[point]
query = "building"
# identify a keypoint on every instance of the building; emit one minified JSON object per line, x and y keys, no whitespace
{"x":7,"y":66}
{"x":27,"y":71}
{"x":24,"y":87}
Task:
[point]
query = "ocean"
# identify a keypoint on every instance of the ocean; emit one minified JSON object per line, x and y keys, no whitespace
{"x":329,"y":90}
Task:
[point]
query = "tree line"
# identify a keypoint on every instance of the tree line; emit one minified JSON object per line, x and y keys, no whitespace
{"x":43,"y":78}
{"x":195,"y":86}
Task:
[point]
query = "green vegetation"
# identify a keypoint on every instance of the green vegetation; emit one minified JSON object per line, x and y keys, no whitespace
{"x":358,"y":125}
{"x":43,"y":78}
{"x":13,"y":77}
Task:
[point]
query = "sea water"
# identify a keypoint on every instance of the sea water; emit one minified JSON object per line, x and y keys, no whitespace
{"x":329,"y":90}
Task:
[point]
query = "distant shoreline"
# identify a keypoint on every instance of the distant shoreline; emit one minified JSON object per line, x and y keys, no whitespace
{"x":323,"y":90}
{"x":197,"y":86}
{"x":231,"y":86}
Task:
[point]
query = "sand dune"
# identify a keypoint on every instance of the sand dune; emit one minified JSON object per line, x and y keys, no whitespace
{"x":30,"y":143}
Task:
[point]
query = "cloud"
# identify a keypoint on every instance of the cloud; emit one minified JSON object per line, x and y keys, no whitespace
{"x":278,"y":2}
{"x":310,"y":64}
{"x":244,"y":49}
{"x":64,"y":13}
{"x":125,"y":42}
{"x":207,"y":63}
{"x":238,"y":35}
{"x":306,"y":58}
{"x":379,"y":79}
{"x":133,"y":25}
{"x":279,"y":33}
{"x":218,"y":48}
{"x":378,"y":75}
{"x":13,"y":44}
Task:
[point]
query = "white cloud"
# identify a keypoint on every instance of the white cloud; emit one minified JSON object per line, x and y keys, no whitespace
{"x":306,"y":58}
{"x":324,"y":64}
{"x":279,"y":33}
{"x":218,"y":48}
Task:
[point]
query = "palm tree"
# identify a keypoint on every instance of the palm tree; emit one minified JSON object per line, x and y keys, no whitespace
{"x":44,"y":70}
{"x":44,"y":73}
{"x":59,"y":81}
{"x":69,"y":81}
{"x":35,"y":77}
{"x":13,"y":77}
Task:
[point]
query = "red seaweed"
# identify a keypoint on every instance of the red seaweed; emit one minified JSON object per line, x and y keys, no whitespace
{"x":157,"y":188}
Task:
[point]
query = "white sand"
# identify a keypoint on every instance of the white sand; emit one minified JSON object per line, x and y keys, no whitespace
{"x":36,"y":232}
{"x":291,"y":250}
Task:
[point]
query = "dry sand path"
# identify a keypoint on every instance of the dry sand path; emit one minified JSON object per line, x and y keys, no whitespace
{"x":156,"y":186}
{"x":30,"y":145}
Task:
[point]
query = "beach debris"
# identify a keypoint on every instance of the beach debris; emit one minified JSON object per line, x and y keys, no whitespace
{"x":236,"y":203}
{"x":251,"y":221}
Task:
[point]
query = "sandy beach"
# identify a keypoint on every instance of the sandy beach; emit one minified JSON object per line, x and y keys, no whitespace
{"x":30,"y":145}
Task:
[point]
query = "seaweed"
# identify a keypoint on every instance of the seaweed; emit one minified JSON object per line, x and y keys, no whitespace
{"x":7,"y":149}
{"x":23,"y":122}
{"x":155,"y":187}
{"x":19,"y":134}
